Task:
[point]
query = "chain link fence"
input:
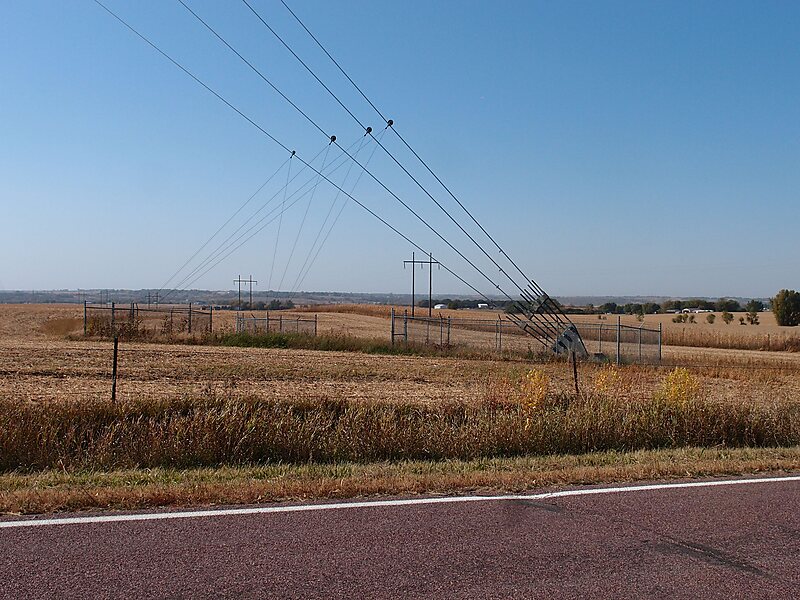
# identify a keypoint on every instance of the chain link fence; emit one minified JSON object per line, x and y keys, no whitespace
{"x":132,"y":321}
{"x":280,"y":324}
{"x":613,"y":342}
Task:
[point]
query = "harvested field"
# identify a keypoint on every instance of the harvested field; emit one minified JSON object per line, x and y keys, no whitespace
{"x":767,"y":335}
{"x":739,"y":398}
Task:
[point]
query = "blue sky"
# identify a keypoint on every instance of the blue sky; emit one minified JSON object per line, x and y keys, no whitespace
{"x":611,"y":147}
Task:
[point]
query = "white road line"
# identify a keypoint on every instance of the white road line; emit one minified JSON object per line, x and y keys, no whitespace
{"x":256,"y":510}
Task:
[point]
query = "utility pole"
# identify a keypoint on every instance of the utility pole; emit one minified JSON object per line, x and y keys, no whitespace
{"x":430,"y":262}
{"x":152,"y":298}
{"x":240,"y":281}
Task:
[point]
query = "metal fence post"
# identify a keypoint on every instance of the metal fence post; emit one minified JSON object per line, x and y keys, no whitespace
{"x":84,"y":317}
{"x":659,"y":342}
{"x":211,"y":319}
{"x":114,"y":371}
{"x":392,"y":326}
{"x":190,"y":317}
{"x":640,"y":344}
{"x":315,"y":325}
{"x":113,"y":315}
{"x":619,"y":327}
{"x":448,"y":330}
{"x":500,"y":329}
{"x":600,"y":339}
{"x":405,"y":326}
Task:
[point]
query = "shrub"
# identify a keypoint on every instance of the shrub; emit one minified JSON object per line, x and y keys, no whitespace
{"x":535,"y":388}
{"x":710,"y":318}
{"x":679,"y":386}
{"x":786,"y":306}
{"x":727,"y":317}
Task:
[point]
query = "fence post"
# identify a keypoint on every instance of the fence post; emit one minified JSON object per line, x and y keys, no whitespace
{"x":405,"y":326}
{"x":659,"y":342}
{"x":448,"y":330}
{"x":315,"y":325}
{"x":392,"y":325}
{"x":190,"y":317}
{"x":84,"y":318}
{"x":500,"y":334}
{"x":619,"y":327}
{"x":113,"y":324}
{"x":280,"y":323}
{"x":114,"y":371}
{"x":640,"y":344}
{"x":211,"y":319}
{"x":600,"y":340}
{"x":441,"y":330}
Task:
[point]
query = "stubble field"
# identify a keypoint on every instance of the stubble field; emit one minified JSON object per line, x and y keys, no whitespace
{"x":47,"y":368}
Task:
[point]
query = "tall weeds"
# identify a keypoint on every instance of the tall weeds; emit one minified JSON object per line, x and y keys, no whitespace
{"x":210,"y":431}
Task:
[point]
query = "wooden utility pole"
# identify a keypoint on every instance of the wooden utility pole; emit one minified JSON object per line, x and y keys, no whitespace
{"x":430,"y":262}
{"x":240,"y":281}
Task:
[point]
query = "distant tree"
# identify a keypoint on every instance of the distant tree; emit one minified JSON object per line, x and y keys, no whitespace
{"x":727,"y":317}
{"x":754,"y":306}
{"x":752,"y":317}
{"x":691,"y":318}
{"x":710,"y":318}
{"x":609,"y":307}
{"x":786,"y":306}
{"x":723,"y":305}
{"x":741,"y":321}
{"x":632,"y":308}
{"x":651,"y":308}
{"x":278,"y":305}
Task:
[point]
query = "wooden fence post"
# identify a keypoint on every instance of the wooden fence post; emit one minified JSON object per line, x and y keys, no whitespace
{"x":84,"y":318}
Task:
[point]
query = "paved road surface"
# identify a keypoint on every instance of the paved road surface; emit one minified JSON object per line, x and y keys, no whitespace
{"x":738,"y":541}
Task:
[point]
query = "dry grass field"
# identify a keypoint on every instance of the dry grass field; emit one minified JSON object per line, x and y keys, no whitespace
{"x":767,"y":335}
{"x":743,"y":409}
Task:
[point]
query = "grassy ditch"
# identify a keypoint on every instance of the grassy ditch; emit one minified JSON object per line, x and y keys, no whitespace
{"x":209,"y":431}
{"x":58,"y":490}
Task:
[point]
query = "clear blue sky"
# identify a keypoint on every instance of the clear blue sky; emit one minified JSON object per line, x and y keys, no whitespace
{"x":613,"y":147}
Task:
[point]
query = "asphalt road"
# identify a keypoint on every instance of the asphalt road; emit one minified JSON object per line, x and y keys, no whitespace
{"x":739,"y":541}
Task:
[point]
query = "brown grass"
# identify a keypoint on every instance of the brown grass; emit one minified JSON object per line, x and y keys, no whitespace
{"x":524,"y":419}
{"x":56,"y":490}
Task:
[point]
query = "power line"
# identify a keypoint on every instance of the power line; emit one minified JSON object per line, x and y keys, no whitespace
{"x":221,"y":227}
{"x":374,"y":177}
{"x":540,"y":292}
{"x":536,"y":287}
{"x":297,"y":284}
{"x":255,"y":229}
{"x":274,"y":139}
{"x":303,"y":220}
{"x":280,"y":221}
{"x":222,"y":246}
